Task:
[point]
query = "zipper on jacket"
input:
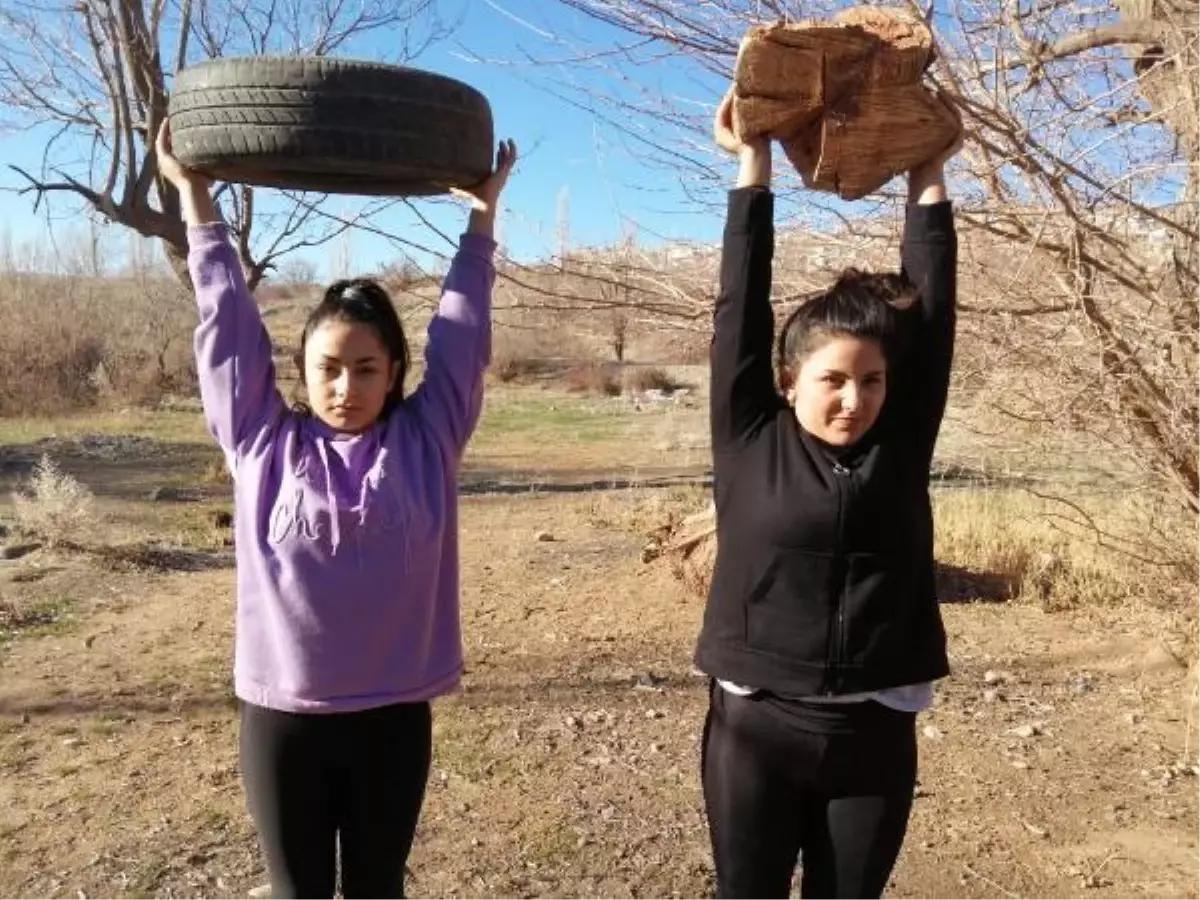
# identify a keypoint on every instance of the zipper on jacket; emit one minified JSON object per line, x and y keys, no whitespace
{"x":833,"y":655}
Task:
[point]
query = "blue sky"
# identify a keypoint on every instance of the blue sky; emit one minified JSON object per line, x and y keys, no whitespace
{"x":569,"y":158}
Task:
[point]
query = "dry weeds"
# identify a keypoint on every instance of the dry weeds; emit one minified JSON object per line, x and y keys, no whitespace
{"x":54,"y":507}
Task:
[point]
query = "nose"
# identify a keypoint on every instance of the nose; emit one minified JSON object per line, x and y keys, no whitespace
{"x":850,"y":397}
{"x":341,"y":384}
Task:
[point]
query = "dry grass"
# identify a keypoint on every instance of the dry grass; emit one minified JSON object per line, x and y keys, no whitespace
{"x":216,"y":471}
{"x":1050,"y":553}
{"x":523,"y":354}
{"x":54,"y":507}
{"x":71,"y":343}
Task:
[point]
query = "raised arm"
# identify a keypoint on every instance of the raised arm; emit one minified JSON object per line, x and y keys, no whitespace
{"x":742,"y":391}
{"x":450,"y":396}
{"x":233,"y":351}
{"x":929,"y":257}
{"x":459,"y":348}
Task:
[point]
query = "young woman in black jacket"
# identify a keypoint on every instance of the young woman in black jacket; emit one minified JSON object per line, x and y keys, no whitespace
{"x":822,"y":632}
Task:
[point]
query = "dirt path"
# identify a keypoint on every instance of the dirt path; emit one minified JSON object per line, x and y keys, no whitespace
{"x":1058,"y":761}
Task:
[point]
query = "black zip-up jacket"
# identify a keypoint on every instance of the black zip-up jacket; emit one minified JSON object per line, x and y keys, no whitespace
{"x":824,"y":579}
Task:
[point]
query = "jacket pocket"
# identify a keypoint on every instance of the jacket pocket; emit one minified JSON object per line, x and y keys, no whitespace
{"x":879,"y":604}
{"x":788,"y":611}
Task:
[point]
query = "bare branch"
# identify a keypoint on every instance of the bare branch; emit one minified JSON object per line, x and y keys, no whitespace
{"x":1146,"y":32}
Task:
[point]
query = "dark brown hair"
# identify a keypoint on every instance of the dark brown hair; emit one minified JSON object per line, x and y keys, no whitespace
{"x":862,"y":305}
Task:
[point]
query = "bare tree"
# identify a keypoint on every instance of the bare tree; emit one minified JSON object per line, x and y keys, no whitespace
{"x":97,"y":73}
{"x":618,"y":294}
{"x":1077,"y":195}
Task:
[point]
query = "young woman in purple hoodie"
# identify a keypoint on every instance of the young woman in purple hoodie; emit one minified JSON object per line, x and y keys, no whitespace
{"x":346,"y":528}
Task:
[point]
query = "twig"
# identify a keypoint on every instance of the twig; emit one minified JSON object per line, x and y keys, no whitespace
{"x":1187,"y":732}
{"x":1005,"y":891}
{"x":1104,"y":862}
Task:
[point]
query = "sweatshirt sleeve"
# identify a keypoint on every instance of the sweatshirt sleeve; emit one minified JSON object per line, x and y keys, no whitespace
{"x":459,"y":349}
{"x":929,"y":256}
{"x":233,"y":351}
{"x":742,"y":393}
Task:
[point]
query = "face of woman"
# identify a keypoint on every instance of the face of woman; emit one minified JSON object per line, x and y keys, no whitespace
{"x":839,"y":389}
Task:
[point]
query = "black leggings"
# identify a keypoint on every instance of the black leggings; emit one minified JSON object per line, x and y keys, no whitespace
{"x":832,"y":783}
{"x":315,"y":783}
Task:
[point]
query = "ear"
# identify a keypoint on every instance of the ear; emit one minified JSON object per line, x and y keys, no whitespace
{"x":787,"y":384}
{"x":393,"y":373}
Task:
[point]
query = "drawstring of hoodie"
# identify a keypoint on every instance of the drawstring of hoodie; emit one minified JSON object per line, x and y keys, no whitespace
{"x":368,"y":483}
{"x":335,"y":530}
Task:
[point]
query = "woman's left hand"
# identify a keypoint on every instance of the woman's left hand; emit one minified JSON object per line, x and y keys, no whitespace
{"x":939,"y":161}
{"x":927,"y":182}
{"x":485,"y":195}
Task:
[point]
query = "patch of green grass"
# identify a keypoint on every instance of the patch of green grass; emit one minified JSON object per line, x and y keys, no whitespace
{"x":548,"y":843}
{"x":209,"y":819}
{"x":554,"y":418}
{"x":164,"y":425}
{"x":146,"y":875}
{"x":106,"y":724}
{"x":182,"y":526}
{"x":459,"y":749}
{"x":42,"y":617}
{"x":59,"y":618}
{"x":18,"y":753}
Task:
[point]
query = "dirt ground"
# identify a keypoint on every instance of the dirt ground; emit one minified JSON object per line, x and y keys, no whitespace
{"x":1058,"y":761}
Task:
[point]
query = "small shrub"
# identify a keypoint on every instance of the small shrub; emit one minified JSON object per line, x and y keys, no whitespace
{"x":54,"y":507}
{"x":593,"y":378}
{"x":640,"y":379}
{"x":508,"y":366}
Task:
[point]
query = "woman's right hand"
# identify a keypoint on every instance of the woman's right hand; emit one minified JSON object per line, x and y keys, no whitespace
{"x":195,"y":202}
{"x":754,"y":154}
{"x":183,"y":178}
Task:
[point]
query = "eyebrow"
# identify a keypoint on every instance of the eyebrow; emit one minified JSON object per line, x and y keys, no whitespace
{"x":357,"y":362}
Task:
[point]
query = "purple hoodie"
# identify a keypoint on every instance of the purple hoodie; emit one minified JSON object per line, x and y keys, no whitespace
{"x":347,"y":545}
